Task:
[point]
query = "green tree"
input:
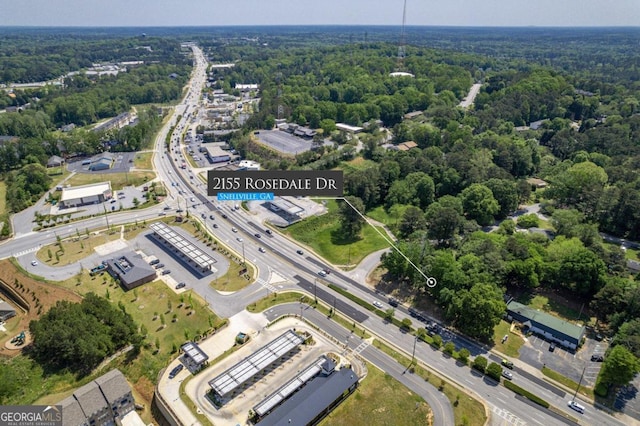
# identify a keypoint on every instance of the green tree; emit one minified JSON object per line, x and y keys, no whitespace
{"x":494,"y":370}
{"x":479,"y":204}
{"x":463,"y":355}
{"x":480,"y":363}
{"x":351,"y":220}
{"x":506,"y":194}
{"x":412,"y":220}
{"x":477,"y":311}
{"x":449,"y":348}
{"x":619,"y":367}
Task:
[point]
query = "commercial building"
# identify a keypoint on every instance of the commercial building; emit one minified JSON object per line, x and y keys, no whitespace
{"x":55,"y":161}
{"x":348,"y":128}
{"x":118,"y":122}
{"x":185,"y":250}
{"x":103,"y":161}
{"x":103,"y":401}
{"x":227,"y":384}
{"x":217,"y":155}
{"x":6,"y":311}
{"x":314,"y":400}
{"x":248,"y":165}
{"x":286,"y":209}
{"x":552,"y":328}
{"x":131,"y":270}
{"x":95,"y":193}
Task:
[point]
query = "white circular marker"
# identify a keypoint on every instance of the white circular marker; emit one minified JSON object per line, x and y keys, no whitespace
{"x":431,"y":282}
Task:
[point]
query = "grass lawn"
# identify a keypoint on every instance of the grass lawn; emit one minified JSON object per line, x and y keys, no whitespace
{"x":75,"y":248}
{"x":357,"y":163}
{"x":513,"y":343}
{"x":150,"y":305}
{"x":143,"y":160}
{"x":3,"y":197}
{"x":323,"y":235}
{"x":232,"y":280}
{"x":466,"y":409}
{"x":380,"y":400}
{"x":584,"y":390}
{"x":118,"y":180}
{"x":392,"y":218}
{"x":552,"y":307}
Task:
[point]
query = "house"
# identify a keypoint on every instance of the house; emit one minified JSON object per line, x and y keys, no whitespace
{"x":412,"y":115}
{"x":6,"y":311}
{"x":103,"y":401}
{"x":406,"y":146}
{"x":537,"y":183}
{"x":55,"y":161}
{"x":548,"y":326}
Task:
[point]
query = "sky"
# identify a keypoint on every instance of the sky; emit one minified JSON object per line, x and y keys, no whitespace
{"x":566,"y":13}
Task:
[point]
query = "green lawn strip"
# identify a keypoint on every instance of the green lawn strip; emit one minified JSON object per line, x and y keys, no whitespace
{"x":467,"y":410}
{"x":380,"y":400}
{"x":512,"y":346}
{"x":143,"y":160}
{"x":118,"y":180}
{"x":3,"y":197}
{"x":233,"y":280}
{"x":204,"y":420}
{"x":323,"y":235}
{"x":567,"y":382}
{"x":390,"y":218}
{"x":523,"y":392}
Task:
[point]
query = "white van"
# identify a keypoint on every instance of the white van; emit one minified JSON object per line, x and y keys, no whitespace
{"x":575,"y":406}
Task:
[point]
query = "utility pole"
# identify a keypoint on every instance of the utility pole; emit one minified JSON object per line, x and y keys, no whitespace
{"x":334,"y":305}
{"x":106,"y":217}
{"x":413,"y":354}
{"x":243,"y":260}
{"x":315,"y":290}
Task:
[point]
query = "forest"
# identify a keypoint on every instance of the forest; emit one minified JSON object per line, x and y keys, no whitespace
{"x":470,"y":169}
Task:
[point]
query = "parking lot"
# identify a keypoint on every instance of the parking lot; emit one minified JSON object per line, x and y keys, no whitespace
{"x":535,"y":352}
{"x":284,"y":142}
{"x":123,"y":161}
{"x":122,"y":199}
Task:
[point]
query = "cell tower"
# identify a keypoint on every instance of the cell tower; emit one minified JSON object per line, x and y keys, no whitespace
{"x":400,"y":72}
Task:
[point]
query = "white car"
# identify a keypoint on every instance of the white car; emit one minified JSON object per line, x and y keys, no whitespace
{"x":507,"y":374}
{"x":234,"y":229}
{"x":575,"y":406}
{"x":239,"y":239}
{"x":261,"y":250}
{"x":34,"y":263}
{"x":377,"y":304}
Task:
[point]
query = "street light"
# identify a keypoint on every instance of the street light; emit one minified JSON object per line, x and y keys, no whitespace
{"x":243,"y":260}
{"x":315,"y":290}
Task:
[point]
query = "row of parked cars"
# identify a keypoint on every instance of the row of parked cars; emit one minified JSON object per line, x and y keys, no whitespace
{"x":158,"y":265}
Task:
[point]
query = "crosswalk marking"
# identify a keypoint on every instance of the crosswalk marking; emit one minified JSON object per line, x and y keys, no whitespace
{"x":361,"y":347}
{"x":266,"y":285}
{"x":509,"y":417}
{"x":23,"y":252}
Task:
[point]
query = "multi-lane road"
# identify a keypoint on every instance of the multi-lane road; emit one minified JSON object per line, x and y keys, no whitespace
{"x":300,"y":271}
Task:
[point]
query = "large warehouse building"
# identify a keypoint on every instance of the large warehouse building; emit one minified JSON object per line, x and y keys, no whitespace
{"x":85,"y":194}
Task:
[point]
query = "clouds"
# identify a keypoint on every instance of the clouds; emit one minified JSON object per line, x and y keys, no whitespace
{"x":308,"y":12}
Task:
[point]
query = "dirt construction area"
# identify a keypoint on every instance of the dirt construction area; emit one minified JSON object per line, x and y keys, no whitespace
{"x":30,"y":298}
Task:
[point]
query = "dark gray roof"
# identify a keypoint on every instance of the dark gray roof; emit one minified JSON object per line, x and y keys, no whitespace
{"x":311,"y":400}
{"x":113,"y":386}
{"x":72,"y":414}
{"x":131,"y":268}
{"x":90,"y":399}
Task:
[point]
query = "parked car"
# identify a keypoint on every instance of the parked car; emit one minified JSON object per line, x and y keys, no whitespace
{"x":181,"y":285}
{"x":154,"y":262}
{"x":507,"y":374}
{"x":159,"y":265}
{"x":166,"y":272}
{"x":552,"y":347}
{"x":597,"y":357}
{"x":175,"y":371}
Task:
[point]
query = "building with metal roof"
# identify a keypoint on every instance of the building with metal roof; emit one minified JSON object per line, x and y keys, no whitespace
{"x":315,"y":400}
{"x":292,"y":386}
{"x":131,"y":270}
{"x":94,"y":193}
{"x":181,"y":246}
{"x":227,"y":383}
{"x":101,"y":402}
{"x":348,"y":128}
{"x":194,"y":355}
{"x":6,"y":311}
{"x":552,"y":328}
{"x":216,"y":154}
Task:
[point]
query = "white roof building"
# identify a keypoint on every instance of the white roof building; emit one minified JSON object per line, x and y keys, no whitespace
{"x":85,"y":194}
{"x":249,"y":165}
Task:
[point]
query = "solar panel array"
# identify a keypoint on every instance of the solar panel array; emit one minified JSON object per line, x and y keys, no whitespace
{"x":194,"y":352}
{"x":243,"y":371}
{"x":199,"y":257}
{"x":289,"y":388}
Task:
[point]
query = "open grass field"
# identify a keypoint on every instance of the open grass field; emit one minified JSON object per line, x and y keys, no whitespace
{"x":323,"y":235}
{"x":358,"y":163}
{"x":118,"y":180}
{"x":380,"y":400}
{"x":513,"y":343}
{"x":233,"y":280}
{"x":143,"y":160}
{"x":466,"y":410}
{"x":390,"y":218}
{"x":3,"y":197}
{"x":555,"y":307}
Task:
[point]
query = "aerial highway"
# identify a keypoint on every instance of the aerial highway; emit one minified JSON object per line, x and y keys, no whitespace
{"x":300,"y":272}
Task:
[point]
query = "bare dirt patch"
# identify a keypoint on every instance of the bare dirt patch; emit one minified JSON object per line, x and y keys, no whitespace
{"x":27,"y":294}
